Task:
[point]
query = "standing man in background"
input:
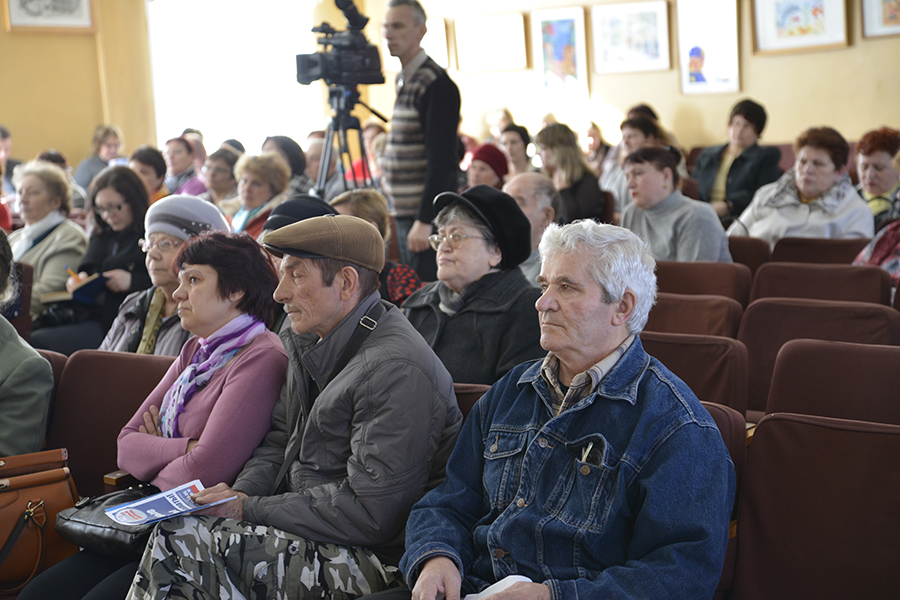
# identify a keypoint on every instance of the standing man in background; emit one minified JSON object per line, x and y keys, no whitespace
{"x":420,"y":159}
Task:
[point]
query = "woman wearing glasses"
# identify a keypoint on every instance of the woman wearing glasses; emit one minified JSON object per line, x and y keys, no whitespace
{"x":147,"y":322}
{"x":479,"y":317}
{"x":118,"y":202}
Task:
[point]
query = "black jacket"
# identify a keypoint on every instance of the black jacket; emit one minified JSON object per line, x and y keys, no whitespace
{"x":755,"y":167}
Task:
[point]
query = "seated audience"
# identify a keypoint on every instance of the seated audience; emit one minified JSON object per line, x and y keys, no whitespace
{"x":813,"y":199}
{"x":595,"y":148}
{"x":5,"y":214}
{"x":221,"y":184}
{"x":79,"y":194}
{"x":150,"y":165}
{"x":292,"y":153}
{"x":183,"y":176}
{"x":235,"y":145}
{"x":49,"y":242}
{"x":333,"y":183}
{"x":211,"y":409}
{"x":118,"y":202}
{"x":729,"y":175}
{"x":106,"y":143}
{"x":358,"y":170}
{"x":673,"y":226}
{"x":540,"y":202}
{"x":195,"y":139}
{"x":148,"y":321}
{"x":879,"y":177}
{"x":487,"y":167}
{"x":262,"y":181}
{"x":7,"y":164}
{"x":884,"y":250}
{"x":398,"y":281}
{"x":26,"y":379}
{"x":592,"y":473}
{"x":497,"y":121}
{"x":571,"y":174}
{"x":479,"y":317}
{"x":321,"y":505}
{"x":514,"y":142}
{"x":637,"y":132}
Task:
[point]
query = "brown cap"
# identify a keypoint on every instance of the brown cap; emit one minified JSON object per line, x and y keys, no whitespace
{"x":340,"y":237}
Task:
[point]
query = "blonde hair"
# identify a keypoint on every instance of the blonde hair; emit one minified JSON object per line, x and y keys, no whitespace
{"x":269,"y":166}
{"x":367,"y":204}
{"x":561,"y":144}
{"x":52,"y":176}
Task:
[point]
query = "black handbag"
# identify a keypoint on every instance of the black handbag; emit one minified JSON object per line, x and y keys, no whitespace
{"x":87,"y":525}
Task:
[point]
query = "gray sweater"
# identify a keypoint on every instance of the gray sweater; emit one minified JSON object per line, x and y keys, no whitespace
{"x":679,"y":229}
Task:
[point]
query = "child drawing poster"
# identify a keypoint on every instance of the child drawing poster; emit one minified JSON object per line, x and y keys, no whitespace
{"x":791,"y":25}
{"x":630,"y":37}
{"x":560,"y":56}
{"x":880,"y":17}
{"x":708,"y":56}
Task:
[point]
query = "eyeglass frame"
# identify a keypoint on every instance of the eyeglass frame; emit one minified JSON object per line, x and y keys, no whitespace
{"x":142,"y":244}
{"x":109,"y":210}
{"x":435,"y":240}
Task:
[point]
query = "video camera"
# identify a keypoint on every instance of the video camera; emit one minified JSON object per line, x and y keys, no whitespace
{"x":350,"y":61}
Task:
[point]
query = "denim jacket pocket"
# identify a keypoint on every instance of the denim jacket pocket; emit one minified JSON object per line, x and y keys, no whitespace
{"x":584,"y":490}
{"x":504,"y":452}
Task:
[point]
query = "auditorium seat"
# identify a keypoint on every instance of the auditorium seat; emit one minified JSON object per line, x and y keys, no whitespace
{"x":817,"y":515}
{"x":837,"y":379}
{"x":715,"y":368}
{"x":467,"y":394}
{"x":851,"y":283}
{"x":818,"y":250}
{"x":770,"y":322}
{"x":22,"y":322}
{"x":708,"y":278}
{"x":98,"y":393}
{"x":57,"y":364}
{"x":699,"y":315}
{"x":749,"y":251}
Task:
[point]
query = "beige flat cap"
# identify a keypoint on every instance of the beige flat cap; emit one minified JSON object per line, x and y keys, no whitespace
{"x":340,"y":237}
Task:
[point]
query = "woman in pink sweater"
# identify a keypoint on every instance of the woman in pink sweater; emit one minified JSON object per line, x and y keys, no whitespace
{"x":212,"y":408}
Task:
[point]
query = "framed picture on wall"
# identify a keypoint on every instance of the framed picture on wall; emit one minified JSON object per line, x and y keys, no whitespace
{"x":880,"y":17}
{"x":708,"y":56}
{"x":631,"y":37}
{"x":560,"y":51}
{"x":506,"y":34}
{"x":72,"y":16}
{"x":798,"y":25}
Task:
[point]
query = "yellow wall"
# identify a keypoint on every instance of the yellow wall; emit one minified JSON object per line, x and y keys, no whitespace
{"x":56,"y":88}
{"x":854,"y":89}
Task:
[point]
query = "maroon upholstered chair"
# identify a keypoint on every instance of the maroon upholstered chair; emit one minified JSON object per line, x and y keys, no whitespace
{"x":817,"y":515}
{"x":699,"y":315}
{"x":837,"y":379}
{"x":708,"y":278}
{"x":715,"y":368}
{"x":22,"y":323}
{"x":818,"y":250}
{"x":98,"y":393}
{"x":852,"y":283}
{"x":467,"y":394}
{"x":57,"y":364}
{"x":770,"y":322}
{"x":690,"y":187}
{"x":749,"y":251}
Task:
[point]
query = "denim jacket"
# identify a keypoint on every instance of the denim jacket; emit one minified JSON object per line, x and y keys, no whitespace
{"x":641,"y":513}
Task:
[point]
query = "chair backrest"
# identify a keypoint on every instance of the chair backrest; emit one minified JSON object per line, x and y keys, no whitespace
{"x":690,"y":187}
{"x":57,"y":364}
{"x":467,"y":394}
{"x":609,"y":207}
{"x":852,"y":283}
{"x":787,"y":156}
{"x":837,"y":379}
{"x":699,"y":315}
{"x":393,"y":248}
{"x":817,"y":516}
{"x":770,"y":322}
{"x":749,"y":251}
{"x":818,"y":250}
{"x":710,"y":278}
{"x":715,"y":368}
{"x":22,"y":323}
{"x":693,"y":155}
{"x":98,"y":393}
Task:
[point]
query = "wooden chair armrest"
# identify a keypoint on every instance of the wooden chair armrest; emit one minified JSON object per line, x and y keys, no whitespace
{"x":118,"y":480}
{"x":751,"y":429}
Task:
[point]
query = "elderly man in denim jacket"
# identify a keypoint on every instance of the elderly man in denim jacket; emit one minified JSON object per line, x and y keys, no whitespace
{"x":595,"y":472}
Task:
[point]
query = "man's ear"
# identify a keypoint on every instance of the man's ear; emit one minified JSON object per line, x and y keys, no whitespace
{"x":349,"y":282}
{"x":625,"y":308}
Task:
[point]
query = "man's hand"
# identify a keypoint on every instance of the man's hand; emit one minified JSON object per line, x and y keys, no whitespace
{"x":417,"y":238}
{"x":229,"y":510}
{"x":118,"y":280}
{"x":151,"y":422}
{"x":439,"y":578}
{"x":523,"y":591}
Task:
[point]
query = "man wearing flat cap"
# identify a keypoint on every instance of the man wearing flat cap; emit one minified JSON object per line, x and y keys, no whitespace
{"x":364,"y":426}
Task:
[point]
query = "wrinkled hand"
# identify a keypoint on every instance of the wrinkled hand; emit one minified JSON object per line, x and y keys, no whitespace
{"x":523,"y":591}
{"x":220,"y":491}
{"x":118,"y":280}
{"x":72,"y":283}
{"x":151,"y":422}
{"x":417,"y":239}
{"x":439,"y":578}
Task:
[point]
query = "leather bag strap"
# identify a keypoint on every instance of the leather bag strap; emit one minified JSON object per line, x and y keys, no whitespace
{"x":27,"y":515}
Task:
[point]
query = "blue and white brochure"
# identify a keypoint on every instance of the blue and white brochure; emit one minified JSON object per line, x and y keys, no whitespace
{"x":159,"y":507}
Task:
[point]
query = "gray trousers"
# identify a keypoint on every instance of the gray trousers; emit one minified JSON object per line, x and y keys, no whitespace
{"x":211,"y":557}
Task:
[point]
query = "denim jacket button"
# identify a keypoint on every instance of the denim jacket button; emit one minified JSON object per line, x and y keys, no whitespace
{"x":520,"y":502}
{"x":585,"y":470}
{"x":498,"y":553}
{"x":542,"y":442}
{"x":493,"y":448}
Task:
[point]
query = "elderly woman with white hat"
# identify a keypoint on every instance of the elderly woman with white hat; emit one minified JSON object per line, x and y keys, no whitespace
{"x":147,"y":322}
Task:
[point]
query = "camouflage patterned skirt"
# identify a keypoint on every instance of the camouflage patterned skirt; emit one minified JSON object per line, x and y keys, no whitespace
{"x":212,"y":557}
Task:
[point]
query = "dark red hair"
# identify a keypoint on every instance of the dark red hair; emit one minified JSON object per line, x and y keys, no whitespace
{"x":884,"y":140}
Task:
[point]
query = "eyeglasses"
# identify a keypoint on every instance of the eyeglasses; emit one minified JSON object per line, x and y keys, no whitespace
{"x":108,"y":210}
{"x":163,"y":245}
{"x":455,"y":240}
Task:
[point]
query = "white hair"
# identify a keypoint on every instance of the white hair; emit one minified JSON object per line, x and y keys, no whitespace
{"x":617,"y":259}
